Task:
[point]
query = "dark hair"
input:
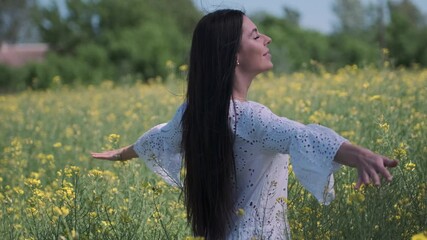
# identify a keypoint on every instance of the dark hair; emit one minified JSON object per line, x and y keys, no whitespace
{"x":207,"y":138}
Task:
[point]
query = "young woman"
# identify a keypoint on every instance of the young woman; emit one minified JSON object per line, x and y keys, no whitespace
{"x":236,"y":151}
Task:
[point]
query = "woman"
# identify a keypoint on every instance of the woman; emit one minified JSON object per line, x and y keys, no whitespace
{"x":236,"y":151}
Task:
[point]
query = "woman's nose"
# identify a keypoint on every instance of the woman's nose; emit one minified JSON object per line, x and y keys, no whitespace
{"x":267,"y":39}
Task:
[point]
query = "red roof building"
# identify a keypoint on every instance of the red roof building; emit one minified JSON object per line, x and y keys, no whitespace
{"x":16,"y":55}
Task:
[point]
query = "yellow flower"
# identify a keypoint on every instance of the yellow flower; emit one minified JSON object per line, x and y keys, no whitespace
{"x":410,"y":166}
{"x":93,"y":214}
{"x":356,"y":197}
{"x":32,"y":182}
{"x":74,"y":234}
{"x":61,"y":211}
{"x":170,"y":64}
{"x":385,"y":51}
{"x":384,"y":126}
{"x":57,"y":145}
{"x":18,"y":190}
{"x":95,"y":173}
{"x":194,"y":238}
{"x":375,"y":98}
{"x":32,"y":211}
{"x":240,"y":212}
{"x":56,"y":80}
{"x":113,"y":138}
{"x":420,"y":236}
{"x":400,"y":152}
{"x":183,"y":68}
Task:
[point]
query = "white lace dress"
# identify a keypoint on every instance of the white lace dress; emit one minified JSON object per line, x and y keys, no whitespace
{"x":263,"y":146}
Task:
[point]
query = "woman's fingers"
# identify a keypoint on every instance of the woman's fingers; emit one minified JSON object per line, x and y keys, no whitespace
{"x":363,"y":179}
{"x":371,"y":172}
{"x":104,"y":155}
{"x":390,"y":163}
{"x":359,"y":183}
{"x":385,"y":173}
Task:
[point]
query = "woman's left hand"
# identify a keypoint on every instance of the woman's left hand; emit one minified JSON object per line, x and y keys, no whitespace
{"x":370,"y":166}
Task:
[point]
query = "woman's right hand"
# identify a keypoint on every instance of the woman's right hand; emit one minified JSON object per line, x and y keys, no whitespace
{"x":112,"y":155}
{"x":121,"y":154}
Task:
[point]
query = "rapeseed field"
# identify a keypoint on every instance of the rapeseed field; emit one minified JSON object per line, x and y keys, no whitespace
{"x":50,"y":188}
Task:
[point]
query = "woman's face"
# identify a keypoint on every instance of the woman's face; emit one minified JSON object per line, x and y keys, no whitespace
{"x":253,"y":55}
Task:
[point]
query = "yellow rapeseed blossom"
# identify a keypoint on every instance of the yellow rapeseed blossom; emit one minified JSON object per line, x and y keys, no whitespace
{"x":56,"y":80}
{"x":194,"y":238}
{"x":113,"y":138}
{"x":183,"y":68}
{"x":384,"y":126}
{"x":74,"y":234}
{"x":240,"y":212}
{"x":375,"y":98}
{"x":32,"y":182}
{"x":401,"y":152}
{"x":57,"y":145}
{"x":61,"y":211}
{"x":420,"y":236}
{"x":355,"y":197}
{"x":410,"y":166}
{"x":18,"y":190}
{"x":93,"y":214}
{"x":31,"y":211}
{"x":95,"y":173}
{"x":170,"y":64}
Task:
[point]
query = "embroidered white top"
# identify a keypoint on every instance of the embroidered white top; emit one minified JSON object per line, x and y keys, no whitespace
{"x":263,"y":144}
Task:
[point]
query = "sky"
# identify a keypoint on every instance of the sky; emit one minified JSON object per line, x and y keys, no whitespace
{"x":315,"y":14}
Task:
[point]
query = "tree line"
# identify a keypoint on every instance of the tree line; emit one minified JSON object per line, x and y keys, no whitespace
{"x":124,"y":41}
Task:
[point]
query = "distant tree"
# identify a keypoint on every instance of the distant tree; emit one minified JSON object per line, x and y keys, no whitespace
{"x":350,"y":14}
{"x":292,"y":15}
{"x":15,"y":20}
{"x":136,"y":37}
{"x":407,"y":34}
{"x":292,"y":47}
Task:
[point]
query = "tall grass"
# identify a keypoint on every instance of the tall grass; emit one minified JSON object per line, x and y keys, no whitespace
{"x":50,"y":188}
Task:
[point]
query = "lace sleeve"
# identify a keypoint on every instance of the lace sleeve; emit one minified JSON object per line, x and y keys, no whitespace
{"x":312,"y":149}
{"x":160,"y":148}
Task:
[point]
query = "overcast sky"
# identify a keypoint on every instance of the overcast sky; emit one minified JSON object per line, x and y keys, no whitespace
{"x":315,"y":14}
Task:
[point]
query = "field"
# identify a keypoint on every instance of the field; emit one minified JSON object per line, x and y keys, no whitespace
{"x":50,"y":188}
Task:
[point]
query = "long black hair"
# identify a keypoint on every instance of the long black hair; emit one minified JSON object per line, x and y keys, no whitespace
{"x":207,"y":138}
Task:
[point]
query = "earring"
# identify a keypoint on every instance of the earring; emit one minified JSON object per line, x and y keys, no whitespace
{"x":238,"y":63}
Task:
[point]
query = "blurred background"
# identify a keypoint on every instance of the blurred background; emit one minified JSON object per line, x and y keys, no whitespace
{"x":89,"y":41}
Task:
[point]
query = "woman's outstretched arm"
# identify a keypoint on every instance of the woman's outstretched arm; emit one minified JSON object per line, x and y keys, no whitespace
{"x":121,"y":154}
{"x":370,"y":166}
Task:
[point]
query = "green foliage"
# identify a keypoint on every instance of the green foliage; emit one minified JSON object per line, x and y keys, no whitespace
{"x":347,"y":50}
{"x":351,"y":16}
{"x":94,"y":40}
{"x":126,"y":40}
{"x":407,"y":34}
{"x":6,"y":75}
{"x":292,"y":47}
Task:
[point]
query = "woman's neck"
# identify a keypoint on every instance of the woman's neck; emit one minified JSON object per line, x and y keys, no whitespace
{"x":241,"y":86}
